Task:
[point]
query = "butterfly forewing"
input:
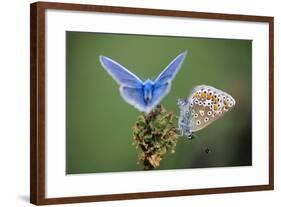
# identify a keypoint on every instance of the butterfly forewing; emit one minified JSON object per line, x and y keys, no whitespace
{"x":207,"y":104}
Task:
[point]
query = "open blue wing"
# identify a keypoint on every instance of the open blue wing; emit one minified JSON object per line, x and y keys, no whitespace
{"x":168,"y":74}
{"x":134,"y":96}
{"x":162,"y":84}
{"x":131,"y":87}
{"x":159,"y":92}
{"x":120,"y":74}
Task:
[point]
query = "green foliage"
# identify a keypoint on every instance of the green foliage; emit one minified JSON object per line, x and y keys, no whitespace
{"x":154,"y":135}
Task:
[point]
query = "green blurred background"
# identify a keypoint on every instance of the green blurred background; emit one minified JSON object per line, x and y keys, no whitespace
{"x":99,"y":123}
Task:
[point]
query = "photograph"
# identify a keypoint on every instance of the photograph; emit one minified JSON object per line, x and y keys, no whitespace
{"x":176,"y":102}
{"x":138,"y":102}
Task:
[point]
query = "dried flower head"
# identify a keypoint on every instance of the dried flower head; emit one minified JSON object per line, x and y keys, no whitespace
{"x":154,"y":135}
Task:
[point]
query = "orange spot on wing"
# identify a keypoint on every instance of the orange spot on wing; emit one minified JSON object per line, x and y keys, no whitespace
{"x":216,"y":107}
{"x":204,"y":95}
{"x":196,"y":95}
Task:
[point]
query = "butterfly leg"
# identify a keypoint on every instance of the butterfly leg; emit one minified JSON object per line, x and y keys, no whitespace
{"x":183,"y":124}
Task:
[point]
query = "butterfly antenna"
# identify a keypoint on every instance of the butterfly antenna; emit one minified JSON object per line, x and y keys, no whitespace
{"x":202,"y":144}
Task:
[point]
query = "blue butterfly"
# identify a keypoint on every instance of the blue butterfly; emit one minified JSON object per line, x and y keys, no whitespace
{"x":143,"y":95}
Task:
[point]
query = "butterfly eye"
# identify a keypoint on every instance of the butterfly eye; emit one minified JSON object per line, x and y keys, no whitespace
{"x":228,"y":99}
{"x":211,"y":93}
{"x":206,"y":119}
{"x":209,"y":113}
{"x":195,"y":115}
{"x":230,"y":104}
{"x":200,"y":103}
{"x":198,"y":122}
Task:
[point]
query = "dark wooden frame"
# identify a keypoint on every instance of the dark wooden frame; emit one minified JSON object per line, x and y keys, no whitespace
{"x":37,"y":102}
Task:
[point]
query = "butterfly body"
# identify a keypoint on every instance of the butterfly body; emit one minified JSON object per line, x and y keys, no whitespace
{"x":204,"y":105}
{"x":143,"y":95}
{"x":147,"y":88}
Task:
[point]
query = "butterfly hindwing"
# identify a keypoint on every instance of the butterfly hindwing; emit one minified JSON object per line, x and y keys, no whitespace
{"x":134,"y":96}
{"x":159,"y":92}
{"x":204,"y":105}
{"x":207,"y":104}
{"x":201,"y":117}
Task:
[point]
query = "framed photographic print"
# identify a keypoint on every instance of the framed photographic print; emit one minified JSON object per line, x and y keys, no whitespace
{"x":131,"y":103}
